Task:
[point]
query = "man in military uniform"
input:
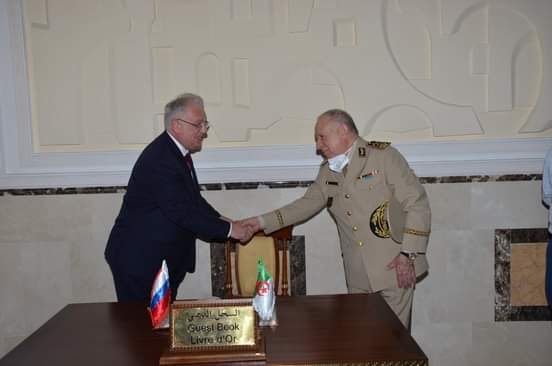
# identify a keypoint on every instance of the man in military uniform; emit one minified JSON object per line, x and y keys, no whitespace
{"x":380,"y":207}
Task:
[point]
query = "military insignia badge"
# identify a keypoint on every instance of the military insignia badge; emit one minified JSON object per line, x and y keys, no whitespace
{"x":378,"y":222}
{"x":362,"y":152}
{"x":369,"y":175}
{"x":280,"y":218}
{"x":387,"y":220}
{"x":380,"y":145}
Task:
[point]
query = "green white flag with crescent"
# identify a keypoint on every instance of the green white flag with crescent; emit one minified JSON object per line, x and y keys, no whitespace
{"x":264,"y":299}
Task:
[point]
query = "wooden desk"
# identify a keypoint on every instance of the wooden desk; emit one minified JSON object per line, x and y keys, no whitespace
{"x":314,"y":330}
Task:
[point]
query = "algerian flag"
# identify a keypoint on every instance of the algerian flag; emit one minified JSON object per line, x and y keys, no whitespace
{"x":264,"y":299}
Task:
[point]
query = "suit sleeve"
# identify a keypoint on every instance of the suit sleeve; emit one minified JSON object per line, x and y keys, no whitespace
{"x":411,"y":194}
{"x":299,"y":210}
{"x":183,"y":205}
{"x":209,"y":208}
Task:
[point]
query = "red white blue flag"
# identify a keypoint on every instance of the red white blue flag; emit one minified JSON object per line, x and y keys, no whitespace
{"x":160,"y":298}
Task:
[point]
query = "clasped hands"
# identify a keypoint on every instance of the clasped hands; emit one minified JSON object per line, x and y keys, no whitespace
{"x":243,"y":230}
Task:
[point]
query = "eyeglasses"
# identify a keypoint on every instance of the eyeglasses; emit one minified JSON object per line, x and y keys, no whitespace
{"x":200,"y":125}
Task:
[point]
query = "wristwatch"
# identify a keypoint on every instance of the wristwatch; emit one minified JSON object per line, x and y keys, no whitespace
{"x":410,"y":255}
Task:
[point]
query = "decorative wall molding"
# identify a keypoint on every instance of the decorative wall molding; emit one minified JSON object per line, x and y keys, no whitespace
{"x":274,"y":163}
{"x":21,"y":167}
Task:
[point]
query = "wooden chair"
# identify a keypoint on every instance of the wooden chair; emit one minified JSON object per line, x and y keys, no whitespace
{"x":241,"y":263}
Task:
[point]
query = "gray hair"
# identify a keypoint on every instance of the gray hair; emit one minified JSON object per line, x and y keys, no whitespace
{"x":342,"y":117}
{"x":180,"y":104}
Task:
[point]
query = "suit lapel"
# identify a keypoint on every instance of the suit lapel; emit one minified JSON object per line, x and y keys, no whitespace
{"x":181,"y":165}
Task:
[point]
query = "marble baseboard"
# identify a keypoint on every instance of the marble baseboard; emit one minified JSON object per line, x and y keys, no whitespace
{"x":481,"y":178}
{"x":265,"y":185}
{"x":505,"y":310}
{"x":297,"y":275}
{"x":61,"y":191}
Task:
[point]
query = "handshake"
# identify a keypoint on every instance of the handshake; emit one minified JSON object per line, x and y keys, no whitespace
{"x":243,"y":230}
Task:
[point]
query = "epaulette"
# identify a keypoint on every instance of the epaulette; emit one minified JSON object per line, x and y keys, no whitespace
{"x":380,"y":145}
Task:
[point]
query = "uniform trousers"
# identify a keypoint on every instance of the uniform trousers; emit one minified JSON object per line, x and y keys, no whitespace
{"x":398,"y":299}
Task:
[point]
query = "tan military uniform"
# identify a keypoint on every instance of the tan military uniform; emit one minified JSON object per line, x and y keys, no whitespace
{"x":359,"y":201}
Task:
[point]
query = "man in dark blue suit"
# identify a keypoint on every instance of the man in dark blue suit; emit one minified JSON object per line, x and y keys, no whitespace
{"x":547,"y":199}
{"x":163,"y":211}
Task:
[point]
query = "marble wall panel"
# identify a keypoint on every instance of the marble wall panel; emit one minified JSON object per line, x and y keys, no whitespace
{"x":498,"y":208}
{"x":198,"y":285}
{"x":527,"y":274}
{"x":51,"y":253}
{"x":450,"y":205}
{"x":459,"y":287}
{"x":35,"y":284}
{"x":505,"y":308}
{"x":512,"y":343}
{"x":454,"y":343}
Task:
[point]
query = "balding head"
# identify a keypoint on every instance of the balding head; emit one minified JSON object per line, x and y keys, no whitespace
{"x":341,"y":117}
{"x":334,"y":133}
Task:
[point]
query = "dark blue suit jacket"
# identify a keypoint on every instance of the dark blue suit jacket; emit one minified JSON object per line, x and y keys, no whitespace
{"x":161,"y":216}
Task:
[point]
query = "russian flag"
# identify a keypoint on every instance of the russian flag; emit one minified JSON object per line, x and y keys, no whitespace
{"x":160,"y":298}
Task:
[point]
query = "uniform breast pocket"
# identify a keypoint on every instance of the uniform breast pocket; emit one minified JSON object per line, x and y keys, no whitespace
{"x":369,"y":181}
{"x":331,"y":191}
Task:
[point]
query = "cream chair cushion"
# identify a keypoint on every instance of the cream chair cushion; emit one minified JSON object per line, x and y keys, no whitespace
{"x":247,"y":257}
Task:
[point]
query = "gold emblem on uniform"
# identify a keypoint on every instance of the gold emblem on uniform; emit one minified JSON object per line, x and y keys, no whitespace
{"x":388,"y":219}
{"x":378,"y":222}
{"x":380,"y":145}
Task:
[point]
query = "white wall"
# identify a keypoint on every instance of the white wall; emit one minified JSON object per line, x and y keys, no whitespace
{"x":83,"y":83}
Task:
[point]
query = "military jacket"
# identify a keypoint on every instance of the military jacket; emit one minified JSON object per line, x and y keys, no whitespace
{"x":358,"y":201}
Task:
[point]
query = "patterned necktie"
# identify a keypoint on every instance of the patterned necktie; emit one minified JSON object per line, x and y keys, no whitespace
{"x":190,"y":165}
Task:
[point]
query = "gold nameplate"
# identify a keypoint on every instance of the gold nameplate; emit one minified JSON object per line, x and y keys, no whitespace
{"x":211,"y":330}
{"x":208,"y":326}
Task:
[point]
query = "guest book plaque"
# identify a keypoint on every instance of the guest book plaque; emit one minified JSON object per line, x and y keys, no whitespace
{"x":212,"y":331}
